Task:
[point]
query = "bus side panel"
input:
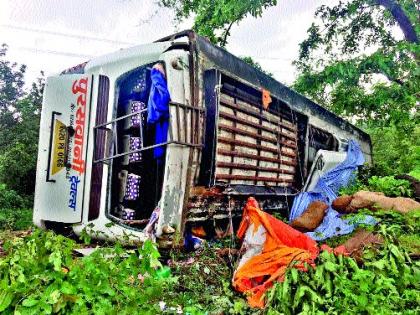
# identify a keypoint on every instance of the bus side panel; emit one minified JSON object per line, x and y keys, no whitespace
{"x":62,"y":149}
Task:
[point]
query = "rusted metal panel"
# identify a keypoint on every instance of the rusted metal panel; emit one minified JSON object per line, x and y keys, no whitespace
{"x":239,"y":143}
{"x":255,"y":146}
{"x":254,"y":167}
{"x":226,"y":102}
{"x":290,"y":144}
{"x":230,"y":117}
{"x":254,"y":178}
{"x":256,"y":157}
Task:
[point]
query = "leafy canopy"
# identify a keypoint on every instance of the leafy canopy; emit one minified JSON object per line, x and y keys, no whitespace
{"x":214,"y":18}
{"x":360,"y":60}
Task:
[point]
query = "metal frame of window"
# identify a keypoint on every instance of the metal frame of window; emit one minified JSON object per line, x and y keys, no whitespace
{"x":181,"y":139}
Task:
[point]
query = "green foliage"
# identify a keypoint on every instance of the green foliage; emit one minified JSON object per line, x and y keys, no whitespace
{"x":387,"y":282}
{"x":411,"y":242}
{"x":10,"y":198}
{"x":19,"y":127}
{"x":214,"y":18}
{"x":375,"y":89}
{"x":404,"y":228}
{"x":11,"y":78}
{"x":18,"y":167}
{"x":14,"y":210}
{"x":204,"y":285}
{"x":396,"y":223}
{"x":415,"y":173}
{"x":352,"y":188}
{"x":354,"y":63}
{"x":15,"y":218}
{"x":396,"y":148}
{"x":388,"y":185}
{"x":39,"y":275}
{"x":256,"y":65}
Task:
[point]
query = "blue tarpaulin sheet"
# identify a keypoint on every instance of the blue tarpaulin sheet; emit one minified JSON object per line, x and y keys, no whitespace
{"x":326,"y":190}
{"x":158,"y":110}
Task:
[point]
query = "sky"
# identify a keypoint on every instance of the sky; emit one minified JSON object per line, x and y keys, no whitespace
{"x":51,"y":36}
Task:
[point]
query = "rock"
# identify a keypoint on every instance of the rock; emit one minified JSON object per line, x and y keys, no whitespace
{"x":311,"y":218}
{"x":341,"y":204}
{"x":362,"y":239}
{"x":375,"y":200}
{"x":167,"y":229}
{"x":361,"y":200}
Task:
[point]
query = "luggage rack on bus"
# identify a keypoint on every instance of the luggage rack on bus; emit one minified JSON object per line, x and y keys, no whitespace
{"x":185,"y":116}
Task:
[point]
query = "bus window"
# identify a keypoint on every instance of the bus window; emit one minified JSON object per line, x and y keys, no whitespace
{"x":135,"y":179}
{"x":319,"y":140}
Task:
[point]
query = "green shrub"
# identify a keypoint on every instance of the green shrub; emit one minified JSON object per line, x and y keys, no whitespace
{"x":15,"y":219}
{"x":415,"y":173}
{"x":15,"y":210}
{"x":39,"y":275}
{"x":388,"y":185}
{"x":387,"y":283}
{"x":396,"y":149}
{"x":10,"y":198}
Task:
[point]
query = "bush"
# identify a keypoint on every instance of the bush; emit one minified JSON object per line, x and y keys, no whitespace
{"x":39,"y":275}
{"x":396,"y":149}
{"x":15,"y":210}
{"x":18,"y":167}
{"x":388,"y":185}
{"x":10,"y":198}
{"x":387,"y":283}
{"x":15,"y":219}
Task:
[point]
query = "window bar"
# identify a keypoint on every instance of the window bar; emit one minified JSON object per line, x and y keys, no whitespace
{"x":170,"y":141}
{"x":191,"y":114}
{"x":141,"y":127}
{"x":114,"y":136}
{"x":185,"y":125}
{"x":184,"y":106}
{"x":119,"y":118}
{"x":148,"y":148}
{"x":178,"y":122}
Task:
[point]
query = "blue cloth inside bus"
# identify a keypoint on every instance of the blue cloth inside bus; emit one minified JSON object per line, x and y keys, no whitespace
{"x":158,"y":110}
{"x":326,"y":190}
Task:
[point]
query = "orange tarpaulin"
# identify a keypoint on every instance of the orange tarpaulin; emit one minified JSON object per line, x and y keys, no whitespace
{"x":266,"y":98}
{"x":270,"y":247}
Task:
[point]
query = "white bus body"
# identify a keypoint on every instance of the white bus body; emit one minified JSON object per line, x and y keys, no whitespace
{"x":211,"y":155}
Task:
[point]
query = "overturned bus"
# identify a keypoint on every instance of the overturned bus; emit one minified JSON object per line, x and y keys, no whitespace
{"x":232,"y":132}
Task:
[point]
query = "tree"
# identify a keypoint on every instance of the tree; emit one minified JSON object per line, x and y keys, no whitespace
{"x":353,"y":63}
{"x":360,"y":60}
{"x":19,"y":126}
{"x":215,"y":18}
{"x":11,"y":80}
{"x":256,"y":65}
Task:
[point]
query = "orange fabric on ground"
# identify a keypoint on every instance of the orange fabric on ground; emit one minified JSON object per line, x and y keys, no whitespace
{"x":283,"y":246}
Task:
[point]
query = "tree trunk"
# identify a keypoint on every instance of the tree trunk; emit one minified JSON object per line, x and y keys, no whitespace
{"x":401,"y":18}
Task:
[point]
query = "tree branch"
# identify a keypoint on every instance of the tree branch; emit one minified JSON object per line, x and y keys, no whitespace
{"x":223,"y":42}
{"x":401,"y":18}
